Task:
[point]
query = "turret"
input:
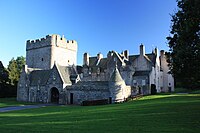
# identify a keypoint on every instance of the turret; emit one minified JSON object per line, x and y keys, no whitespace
{"x":116,"y":86}
{"x":116,"y":76}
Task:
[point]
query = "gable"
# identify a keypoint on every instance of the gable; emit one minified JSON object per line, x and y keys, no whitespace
{"x":142,"y":63}
{"x":54,"y":77}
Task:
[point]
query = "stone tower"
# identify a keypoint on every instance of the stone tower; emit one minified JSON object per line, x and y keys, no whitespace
{"x":116,"y":86}
{"x":43,"y":53}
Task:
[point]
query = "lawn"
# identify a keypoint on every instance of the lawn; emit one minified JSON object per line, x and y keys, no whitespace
{"x":6,"y":102}
{"x":175,"y":113}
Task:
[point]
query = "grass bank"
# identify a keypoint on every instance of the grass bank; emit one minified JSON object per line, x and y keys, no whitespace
{"x":6,"y":102}
{"x":159,"y":113}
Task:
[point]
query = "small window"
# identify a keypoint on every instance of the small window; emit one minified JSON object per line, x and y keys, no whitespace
{"x":68,"y":61}
{"x":42,"y":59}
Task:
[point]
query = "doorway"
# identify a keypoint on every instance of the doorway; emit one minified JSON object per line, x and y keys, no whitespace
{"x":153,"y":89}
{"x":54,"y":95}
{"x":71,"y":98}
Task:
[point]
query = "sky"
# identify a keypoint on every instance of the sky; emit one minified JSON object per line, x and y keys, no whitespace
{"x":97,"y":25}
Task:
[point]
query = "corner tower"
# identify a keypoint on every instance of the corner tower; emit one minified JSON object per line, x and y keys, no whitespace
{"x":43,"y":53}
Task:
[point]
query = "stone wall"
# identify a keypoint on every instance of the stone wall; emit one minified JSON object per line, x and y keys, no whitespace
{"x":143,"y":83}
{"x":167,"y":79}
{"x":22,"y":90}
{"x":87,"y":91}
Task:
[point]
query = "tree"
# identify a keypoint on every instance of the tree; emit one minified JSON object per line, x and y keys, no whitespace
{"x":3,"y":74}
{"x":13,"y":73}
{"x":184,"y":43}
{"x":15,"y":68}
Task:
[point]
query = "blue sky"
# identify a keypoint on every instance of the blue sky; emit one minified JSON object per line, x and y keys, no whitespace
{"x":97,"y":25}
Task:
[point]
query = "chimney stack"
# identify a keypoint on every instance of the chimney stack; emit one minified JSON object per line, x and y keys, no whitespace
{"x":99,"y":56}
{"x":162,"y":53}
{"x":126,"y":54}
{"x":86,"y":59}
{"x":142,"y":50}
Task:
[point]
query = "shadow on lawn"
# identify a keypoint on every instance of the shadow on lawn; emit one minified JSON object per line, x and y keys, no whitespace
{"x":159,"y":110}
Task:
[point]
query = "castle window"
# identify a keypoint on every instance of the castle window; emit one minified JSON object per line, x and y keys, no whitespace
{"x":42,"y":59}
{"x":68,"y":61}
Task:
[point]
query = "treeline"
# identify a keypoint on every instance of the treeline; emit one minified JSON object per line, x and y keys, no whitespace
{"x":9,"y":77}
{"x":184,"y":44}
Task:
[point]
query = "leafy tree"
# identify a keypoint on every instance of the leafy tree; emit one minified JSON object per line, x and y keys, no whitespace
{"x":20,"y":62}
{"x":13,"y":72}
{"x":15,"y":68}
{"x":184,"y":43}
{"x":3,"y":74}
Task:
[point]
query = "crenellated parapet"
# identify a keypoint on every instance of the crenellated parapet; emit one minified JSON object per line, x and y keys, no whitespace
{"x":52,"y":40}
{"x":38,"y":43}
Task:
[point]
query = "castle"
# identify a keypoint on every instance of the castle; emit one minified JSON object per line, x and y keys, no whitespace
{"x":52,"y":76}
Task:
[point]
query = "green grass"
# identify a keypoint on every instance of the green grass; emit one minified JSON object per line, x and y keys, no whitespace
{"x":6,"y":102}
{"x":184,"y":90}
{"x":176,"y":113}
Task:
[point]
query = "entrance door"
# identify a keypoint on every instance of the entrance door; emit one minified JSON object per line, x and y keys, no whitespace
{"x":54,"y":95}
{"x":71,"y":98}
{"x":153,"y":89}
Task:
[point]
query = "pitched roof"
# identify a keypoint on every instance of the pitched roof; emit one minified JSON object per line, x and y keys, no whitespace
{"x":79,"y":69}
{"x":141,"y":73}
{"x":92,"y":61}
{"x":39,"y":77}
{"x":94,"y":65}
{"x":116,"y":76}
{"x":1,"y":65}
{"x":133,"y":57}
{"x":66,"y":72}
{"x":152,"y":58}
{"x":90,"y":86}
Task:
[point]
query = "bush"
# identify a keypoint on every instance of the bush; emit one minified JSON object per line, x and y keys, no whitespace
{"x":7,"y":90}
{"x":95,"y":102}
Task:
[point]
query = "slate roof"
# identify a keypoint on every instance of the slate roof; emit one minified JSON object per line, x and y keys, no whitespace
{"x":79,"y":69}
{"x":65,"y":73}
{"x":116,"y":76}
{"x":133,"y":57}
{"x":101,"y":83}
{"x":39,"y":77}
{"x":1,"y":65}
{"x":93,"y":64}
{"x":141,"y":73}
{"x":151,"y":57}
{"x":101,"y":86}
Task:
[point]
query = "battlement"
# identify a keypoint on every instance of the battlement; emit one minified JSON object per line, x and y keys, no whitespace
{"x":52,"y":40}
